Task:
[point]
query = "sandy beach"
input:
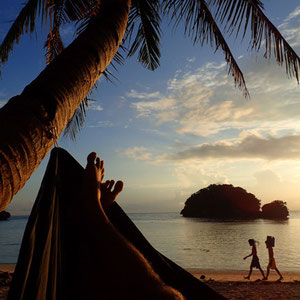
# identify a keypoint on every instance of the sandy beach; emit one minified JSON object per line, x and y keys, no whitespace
{"x":230,"y":284}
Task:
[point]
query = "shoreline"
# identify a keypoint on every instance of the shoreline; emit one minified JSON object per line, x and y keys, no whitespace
{"x":216,"y":275}
{"x":238,"y":275}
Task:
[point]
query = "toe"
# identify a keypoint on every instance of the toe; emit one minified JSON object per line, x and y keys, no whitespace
{"x":106,"y":184}
{"x":98,"y":163}
{"x":111,"y":184}
{"x":91,"y":158}
{"x":118,"y":187}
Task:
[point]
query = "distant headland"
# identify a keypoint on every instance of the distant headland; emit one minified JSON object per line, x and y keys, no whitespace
{"x":4,"y":215}
{"x":224,"y":201}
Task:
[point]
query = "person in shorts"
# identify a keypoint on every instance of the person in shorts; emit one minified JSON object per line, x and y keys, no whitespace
{"x":272,"y":263}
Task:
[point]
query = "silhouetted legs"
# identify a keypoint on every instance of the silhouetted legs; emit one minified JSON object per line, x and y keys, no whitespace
{"x":280,"y":276}
{"x":250,"y":272}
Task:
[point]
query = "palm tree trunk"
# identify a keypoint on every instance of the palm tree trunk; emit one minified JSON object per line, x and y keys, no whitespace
{"x":31,"y":122}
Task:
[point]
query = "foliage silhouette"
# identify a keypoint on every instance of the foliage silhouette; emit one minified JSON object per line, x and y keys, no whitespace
{"x":277,"y":209}
{"x":4,"y":215}
{"x":224,"y":201}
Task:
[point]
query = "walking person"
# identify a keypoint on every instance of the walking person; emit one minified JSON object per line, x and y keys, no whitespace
{"x":255,"y":260}
{"x":270,"y":243}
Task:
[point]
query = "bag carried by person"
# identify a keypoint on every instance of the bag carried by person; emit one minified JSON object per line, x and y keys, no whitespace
{"x":271,"y":240}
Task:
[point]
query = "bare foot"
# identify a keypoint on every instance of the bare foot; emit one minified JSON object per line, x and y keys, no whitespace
{"x":93,"y":176}
{"x":280,"y":278}
{"x":247,"y":277}
{"x":110,"y":192}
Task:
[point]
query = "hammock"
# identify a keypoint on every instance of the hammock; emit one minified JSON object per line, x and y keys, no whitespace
{"x":48,"y":266}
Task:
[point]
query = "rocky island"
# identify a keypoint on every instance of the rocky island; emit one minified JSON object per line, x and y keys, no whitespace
{"x":4,"y":215}
{"x":224,"y":201}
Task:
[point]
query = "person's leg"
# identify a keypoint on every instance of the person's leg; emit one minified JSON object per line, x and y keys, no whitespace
{"x":250,"y":272}
{"x":118,"y":266}
{"x":268,"y":272}
{"x":262,"y":273}
{"x":281,"y":277}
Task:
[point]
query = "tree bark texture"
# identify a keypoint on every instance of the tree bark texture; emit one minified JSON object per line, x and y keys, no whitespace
{"x":31,"y":122}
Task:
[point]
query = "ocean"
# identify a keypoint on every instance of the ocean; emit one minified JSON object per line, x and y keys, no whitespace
{"x":195,"y":243}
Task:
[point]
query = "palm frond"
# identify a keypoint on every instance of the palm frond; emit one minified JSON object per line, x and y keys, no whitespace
{"x":119,"y":59}
{"x":200,"y":25}
{"x":144,"y":21}
{"x":75,"y":10}
{"x":53,"y":13}
{"x":53,"y":44}
{"x":75,"y":124}
{"x":65,"y":11}
{"x":236,"y":14}
{"x":24,"y":23}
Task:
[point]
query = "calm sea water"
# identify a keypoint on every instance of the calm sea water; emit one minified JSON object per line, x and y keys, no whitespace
{"x":195,"y":243}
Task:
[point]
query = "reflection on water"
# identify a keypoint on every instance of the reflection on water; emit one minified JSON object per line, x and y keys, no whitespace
{"x":11,"y":233}
{"x":195,"y":243}
{"x":211,"y":244}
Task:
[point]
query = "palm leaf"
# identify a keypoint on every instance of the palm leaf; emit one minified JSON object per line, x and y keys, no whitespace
{"x":53,"y":44}
{"x":52,"y":13}
{"x":236,"y":14}
{"x":76,"y":122}
{"x":200,"y":25}
{"x":144,"y":22}
{"x":24,"y":23}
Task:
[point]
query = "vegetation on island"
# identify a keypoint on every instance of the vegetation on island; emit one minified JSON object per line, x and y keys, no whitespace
{"x":4,"y":215}
{"x":224,"y":201}
{"x":277,"y":209}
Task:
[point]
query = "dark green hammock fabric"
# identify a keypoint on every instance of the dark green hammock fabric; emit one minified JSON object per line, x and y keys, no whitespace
{"x":52,"y":246}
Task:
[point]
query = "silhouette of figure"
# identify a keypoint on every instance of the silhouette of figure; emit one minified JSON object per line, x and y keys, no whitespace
{"x":114,"y":252}
{"x":272,"y":263}
{"x":255,"y":260}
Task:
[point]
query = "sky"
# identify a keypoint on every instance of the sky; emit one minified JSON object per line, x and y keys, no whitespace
{"x":171,"y":132}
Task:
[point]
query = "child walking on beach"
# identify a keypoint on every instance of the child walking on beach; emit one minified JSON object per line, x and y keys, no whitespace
{"x":255,"y":260}
{"x":272,"y":263}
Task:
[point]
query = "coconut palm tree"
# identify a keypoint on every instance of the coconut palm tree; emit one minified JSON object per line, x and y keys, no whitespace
{"x":31,"y":122}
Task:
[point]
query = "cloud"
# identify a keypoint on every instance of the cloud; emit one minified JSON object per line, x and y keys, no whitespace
{"x":270,"y":186}
{"x":267,"y":178}
{"x":164,"y":109}
{"x":194,"y":175}
{"x":137,"y":153}
{"x":101,"y":124}
{"x":137,"y":95}
{"x":94,"y":106}
{"x":251,"y":147}
{"x":191,"y":59}
{"x":290,"y":27}
{"x":295,"y":13}
{"x":204,"y":102}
